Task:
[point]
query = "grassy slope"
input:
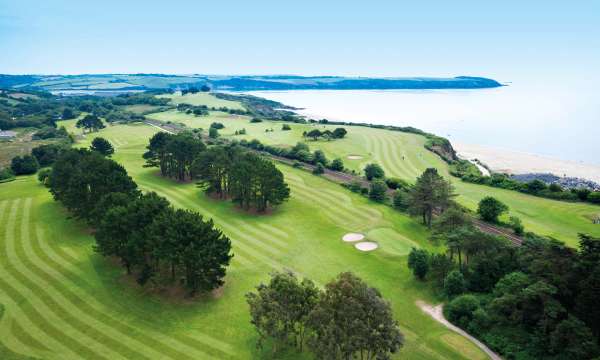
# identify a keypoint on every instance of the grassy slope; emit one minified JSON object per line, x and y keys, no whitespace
{"x":402,"y":155}
{"x":64,"y":301}
{"x":202,"y":98}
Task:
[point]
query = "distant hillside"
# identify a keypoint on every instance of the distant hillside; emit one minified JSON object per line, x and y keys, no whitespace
{"x":132,"y":82}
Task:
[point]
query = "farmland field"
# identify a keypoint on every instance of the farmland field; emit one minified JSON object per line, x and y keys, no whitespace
{"x":74,"y":303}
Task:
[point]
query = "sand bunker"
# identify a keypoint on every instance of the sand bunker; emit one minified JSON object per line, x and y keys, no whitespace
{"x":352,"y":237}
{"x":354,"y":157}
{"x":366,"y":246}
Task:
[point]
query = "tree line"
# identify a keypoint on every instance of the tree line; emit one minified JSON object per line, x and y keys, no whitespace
{"x":535,"y":301}
{"x":148,"y":236}
{"x":229,"y":171}
{"x":347,"y":320}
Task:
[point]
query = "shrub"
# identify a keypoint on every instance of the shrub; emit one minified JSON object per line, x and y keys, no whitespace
{"x":217,"y":125}
{"x":516,"y":225}
{"x":213,"y":133}
{"x":454,"y":284}
{"x":6,"y":174}
{"x":395,"y":183}
{"x":355,"y":186}
{"x":490,"y":209}
{"x":337,"y":165}
{"x":286,"y":127}
{"x":377,"y":191}
{"x":319,"y":169}
{"x":594,"y":197}
{"x":461,"y":310}
{"x":24,"y":165}
{"x":374,"y":171}
{"x":400,"y":200}
{"x":43,"y":175}
{"x":256,"y":120}
{"x":418,"y":262}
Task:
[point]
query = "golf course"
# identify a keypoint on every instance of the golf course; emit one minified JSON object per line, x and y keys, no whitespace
{"x":59,"y":299}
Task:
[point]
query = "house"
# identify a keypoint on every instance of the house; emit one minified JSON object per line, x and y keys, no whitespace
{"x":7,"y":134}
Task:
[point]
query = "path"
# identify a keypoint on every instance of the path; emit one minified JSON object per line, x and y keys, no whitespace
{"x":437,"y":313}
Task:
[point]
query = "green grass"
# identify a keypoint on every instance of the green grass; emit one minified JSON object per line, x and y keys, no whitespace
{"x":202,"y":98}
{"x":403,"y":155}
{"x":142,"y":108}
{"x":62,"y":300}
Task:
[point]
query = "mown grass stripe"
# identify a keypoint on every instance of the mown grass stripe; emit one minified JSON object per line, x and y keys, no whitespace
{"x":229,"y":229}
{"x":273,"y":230}
{"x":40,"y":289}
{"x":45,"y":329}
{"x":51,"y":257}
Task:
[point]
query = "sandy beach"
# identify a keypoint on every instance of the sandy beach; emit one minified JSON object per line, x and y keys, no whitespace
{"x":515,"y":162}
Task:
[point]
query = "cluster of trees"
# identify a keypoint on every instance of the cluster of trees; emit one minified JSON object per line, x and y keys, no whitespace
{"x":536,"y":301}
{"x":91,"y":123}
{"x":348,"y":320}
{"x":300,"y":152}
{"x":200,"y":110}
{"x":40,"y":157}
{"x":174,"y":154}
{"x":534,"y":187}
{"x":144,"y":232}
{"x":250,"y":180}
{"x":195,"y":90}
{"x":49,"y":132}
{"x":315,"y":134}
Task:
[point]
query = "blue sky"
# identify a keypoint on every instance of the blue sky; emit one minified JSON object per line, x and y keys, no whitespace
{"x":501,"y":39}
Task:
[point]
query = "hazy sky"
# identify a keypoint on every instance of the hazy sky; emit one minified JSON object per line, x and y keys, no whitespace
{"x":505,"y":40}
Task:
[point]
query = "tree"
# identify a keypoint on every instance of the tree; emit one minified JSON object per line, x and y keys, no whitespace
{"x":572,"y":339}
{"x":374,"y":171}
{"x":352,"y":320}
{"x":286,"y":127}
{"x":418,"y":262}
{"x":68,"y":114}
{"x":339,"y":133}
{"x":430,"y":192}
{"x":205,"y":88}
{"x":90,"y":123}
{"x":217,"y":125}
{"x":377,"y":191}
{"x":314,"y":134}
{"x":24,"y":165}
{"x":454,"y":284}
{"x":337,"y":165}
{"x":47,"y":154}
{"x":490,"y":209}
{"x":213,"y":133}
{"x":280,"y":309}
{"x":594,"y":197}
{"x":517,"y":225}
{"x":319,"y":158}
{"x":461,"y":310}
{"x":319,"y":169}
{"x":102,"y":146}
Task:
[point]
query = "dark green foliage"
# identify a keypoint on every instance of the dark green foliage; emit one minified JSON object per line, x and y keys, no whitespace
{"x":594,"y":197}
{"x":355,"y":186}
{"x":47,"y":154}
{"x":517,"y":225}
{"x":102,"y":146}
{"x":339,"y":133}
{"x":174,"y":154}
{"x":454,"y":284}
{"x":43,"y":176}
{"x":217,"y":125}
{"x":24,"y":165}
{"x":213,"y":133}
{"x":490,"y":209}
{"x":418,"y":262}
{"x":68,"y":114}
{"x":280,"y":309}
{"x":337,"y":165}
{"x":6,"y":174}
{"x":319,"y":169}
{"x":49,"y":132}
{"x":400,"y":200}
{"x":374,"y":171}
{"x":351,"y":320}
{"x":377,"y":191}
{"x":250,"y":180}
{"x":90,"y":123}
{"x":205,"y":88}
{"x":315,"y":134}
{"x":462,"y":309}
{"x":80,"y":178}
{"x":429,"y":193}
{"x":286,"y":127}
{"x":319,"y":158}
{"x":256,"y":120}
{"x":397,"y":184}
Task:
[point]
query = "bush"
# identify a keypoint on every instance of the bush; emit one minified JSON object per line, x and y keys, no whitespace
{"x":490,"y":209}
{"x":297,"y":164}
{"x":594,"y":197}
{"x":319,"y":169}
{"x":395,"y":183}
{"x":374,"y":171}
{"x":355,"y":186}
{"x":516,"y":225}
{"x":6,"y":174}
{"x":337,"y":165}
{"x":24,"y":165}
{"x":213,"y":133}
{"x":43,"y":176}
{"x":454,"y":284}
{"x":377,"y":191}
{"x":217,"y":125}
{"x":400,"y":200}
{"x":418,"y":262}
{"x":256,"y":120}
{"x":286,"y":127}
{"x":461,"y":310}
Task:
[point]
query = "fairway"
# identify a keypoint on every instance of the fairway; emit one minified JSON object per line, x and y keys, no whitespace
{"x":61,"y":300}
{"x":403,"y":155}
